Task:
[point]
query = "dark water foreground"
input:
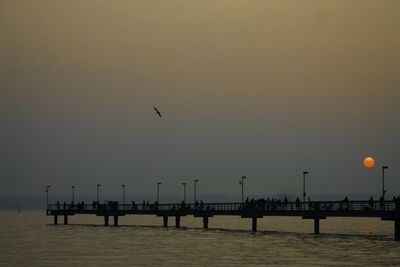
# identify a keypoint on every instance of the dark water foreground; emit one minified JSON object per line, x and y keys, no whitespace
{"x":29,"y":239}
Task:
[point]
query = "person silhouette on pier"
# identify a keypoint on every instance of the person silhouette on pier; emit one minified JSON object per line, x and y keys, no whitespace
{"x":371,"y":202}
{"x":297,"y":203}
{"x":183,"y":205}
{"x":346,"y":202}
{"x":156,"y":205}
{"x":285,"y":201}
{"x":397,"y":202}
{"x":382,"y":202}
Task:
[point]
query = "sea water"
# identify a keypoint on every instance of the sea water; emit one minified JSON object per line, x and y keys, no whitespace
{"x":30,"y":239}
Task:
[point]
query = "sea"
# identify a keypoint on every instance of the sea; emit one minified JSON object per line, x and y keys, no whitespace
{"x":29,"y":238}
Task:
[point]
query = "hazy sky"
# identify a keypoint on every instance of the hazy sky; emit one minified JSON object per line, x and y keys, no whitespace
{"x":257,"y":88}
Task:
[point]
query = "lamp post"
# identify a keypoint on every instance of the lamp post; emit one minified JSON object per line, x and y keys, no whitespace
{"x":47,"y":196}
{"x":184,"y":192}
{"x":73,"y":193}
{"x":195,"y":190}
{"x":98,"y":185}
{"x":304,"y":187}
{"x":383,"y":180}
{"x":123,"y":194}
{"x":241,"y":182}
{"x":158,"y":192}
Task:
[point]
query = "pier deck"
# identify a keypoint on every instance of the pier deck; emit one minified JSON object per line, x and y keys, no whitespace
{"x":315,"y":210}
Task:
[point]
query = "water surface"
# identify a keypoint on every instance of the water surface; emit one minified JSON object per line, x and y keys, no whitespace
{"x":30,"y":239}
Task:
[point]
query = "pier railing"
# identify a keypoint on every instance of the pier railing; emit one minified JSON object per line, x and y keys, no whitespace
{"x":258,"y":205}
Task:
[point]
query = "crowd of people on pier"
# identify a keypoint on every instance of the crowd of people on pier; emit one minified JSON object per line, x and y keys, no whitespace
{"x":265,"y":204}
{"x":146,"y":205}
{"x":72,"y":206}
{"x":260,"y":204}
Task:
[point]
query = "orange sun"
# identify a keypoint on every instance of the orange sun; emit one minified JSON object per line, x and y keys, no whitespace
{"x":369,"y":162}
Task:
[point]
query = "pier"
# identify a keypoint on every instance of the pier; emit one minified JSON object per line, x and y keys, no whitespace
{"x":254,"y":210}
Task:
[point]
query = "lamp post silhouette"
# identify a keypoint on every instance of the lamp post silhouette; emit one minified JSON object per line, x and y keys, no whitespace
{"x":47,"y":195}
{"x":195,"y":190}
{"x":241,"y":182}
{"x":98,"y":185}
{"x":304,"y":188}
{"x":158,"y":192}
{"x":123,"y":194}
{"x":184,"y":192}
{"x":383,"y":180}
{"x":73,"y":193}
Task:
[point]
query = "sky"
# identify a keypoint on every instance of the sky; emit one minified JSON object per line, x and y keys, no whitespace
{"x":264,"y":89}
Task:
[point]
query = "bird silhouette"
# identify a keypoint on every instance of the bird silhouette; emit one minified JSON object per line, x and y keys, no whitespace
{"x":158,"y":112}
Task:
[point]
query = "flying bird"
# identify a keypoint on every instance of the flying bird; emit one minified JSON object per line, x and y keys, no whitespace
{"x":158,"y":112}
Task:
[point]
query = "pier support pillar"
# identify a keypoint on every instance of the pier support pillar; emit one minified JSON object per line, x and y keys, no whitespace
{"x":65,"y":219}
{"x":316,"y":221}
{"x":115,"y":220}
{"x":165,"y":220}
{"x":205,"y":222}
{"x":397,"y":229}
{"x":106,"y":220}
{"x":178,"y":221}
{"x":316,"y":226}
{"x":55,"y":219}
{"x":254,"y":225}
